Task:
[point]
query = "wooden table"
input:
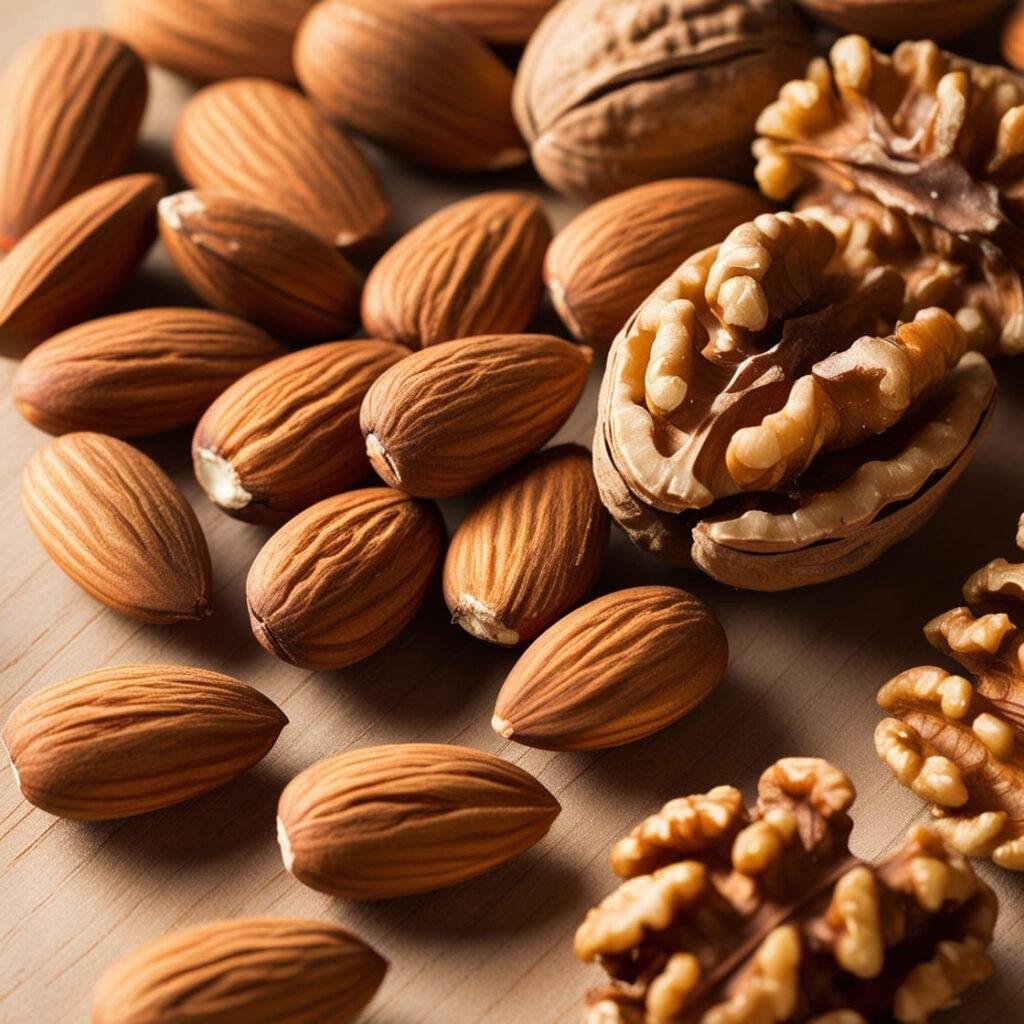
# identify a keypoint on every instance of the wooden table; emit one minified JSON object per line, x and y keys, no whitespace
{"x":804,"y":670}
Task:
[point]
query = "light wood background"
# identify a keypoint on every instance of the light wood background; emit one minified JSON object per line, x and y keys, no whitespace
{"x":803,"y":673}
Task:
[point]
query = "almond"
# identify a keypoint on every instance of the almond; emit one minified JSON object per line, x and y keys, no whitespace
{"x":261,"y":141}
{"x":529,"y":550}
{"x":253,"y":262}
{"x":114,"y":522}
{"x":503,"y":22}
{"x":76,"y":259}
{"x":260,"y":970}
{"x":70,"y":107}
{"x":452,"y":417}
{"x":605,"y":262}
{"x":340,"y":580}
{"x":287,"y":435}
{"x":406,"y":818}
{"x":617,"y":669}
{"x":418,"y":85}
{"x":137,"y":373}
{"x":131,"y":739}
{"x":474,"y":267}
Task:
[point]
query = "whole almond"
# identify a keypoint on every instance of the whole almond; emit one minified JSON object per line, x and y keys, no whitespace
{"x":287,"y":435}
{"x":502,"y":22}
{"x":76,"y":259}
{"x":529,"y":550}
{"x":70,"y":106}
{"x":117,"y":525}
{"x":406,"y":818}
{"x":137,"y":373}
{"x":605,"y":262}
{"x":613,"y":671}
{"x":452,"y":417}
{"x":251,"y":261}
{"x":416,"y":84}
{"x":260,"y":970}
{"x":472,"y":268}
{"x":131,"y":739}
{"x":340,"y":580}
{"x":262,"y":141}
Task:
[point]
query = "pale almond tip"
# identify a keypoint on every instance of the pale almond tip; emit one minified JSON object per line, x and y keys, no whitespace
{"x":287,"y":854}
{"x":502,"y":726}
{"x":220,"y":481}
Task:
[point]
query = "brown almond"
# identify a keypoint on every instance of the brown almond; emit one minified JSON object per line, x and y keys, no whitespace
{"x":70,"y":106}
{"x":137,"y":373}
{"x":529,"y":550}
{"x":117,"y":525}
{"x":287,"y":435}
{"x":502,"y":22}
{"x":262,"y":141}
{"x":340,"y":580}
{"x":131,"y":739}
{"x":416,"y":84}
{"x":613,"y":671}
{"x":474,"y":267}
{"x":453,"y":416}
{"x":406,"y":818}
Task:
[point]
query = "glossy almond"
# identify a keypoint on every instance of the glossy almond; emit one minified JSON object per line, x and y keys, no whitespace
{"x":287,"y":435}
{"x":406,"y":818}
{"x":529,"y":550}
{"x":262,"y":141}
{"x":416,"y":84}
{"x":131,"y":739}
{"x":76,"y":259}
{"x":613,"y":671}
{"x":472,"y":268}
{"x":137,"y":373}
{"x":340,"y":580}
{"x":453,"y":416}
{"x":70,"y":106}
{"x":117,"y":525}
{"x":503,"y":22}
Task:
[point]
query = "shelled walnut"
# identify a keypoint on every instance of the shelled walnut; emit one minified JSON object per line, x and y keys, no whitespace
{"x":959,"y":746}
{"x":731,"y":915}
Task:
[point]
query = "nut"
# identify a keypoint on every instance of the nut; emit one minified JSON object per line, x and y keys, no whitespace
{"x":892,"y":20}
{"x":620,"y":668}
{"x":410,"y":817}
{"x":1013,"y":38}
{"x":116,"y":524}
{"x":131,"y":739}
{"x":472,"y":268}
{"x":502,"y":22}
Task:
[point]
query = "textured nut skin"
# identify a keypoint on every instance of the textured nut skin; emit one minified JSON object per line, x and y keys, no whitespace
{"x":117,"y":525}
{"x":264,"y":142}
{"x":472,"y":268}
{"x":613,"y":671}
{"x":287,"y":435}
{"x":137,"y":373}
{"x":503,"y":22}
{"x":127,"y":740}
{"x":343,"y":578}
{"x":70,"y":106}
{"x":891,"y":20}
{"x":418,"y":85}
{"x":453,"y":416}
{"x":1013,"y":39}
{"x":269,"y":970}
{"x":410,"y":817}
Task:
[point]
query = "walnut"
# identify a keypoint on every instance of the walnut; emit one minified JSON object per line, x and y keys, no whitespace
{"x":730,"y":915}
{"x":957,"y":745}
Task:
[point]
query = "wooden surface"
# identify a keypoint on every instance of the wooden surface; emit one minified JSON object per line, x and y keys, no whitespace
{"x":803,"y":673}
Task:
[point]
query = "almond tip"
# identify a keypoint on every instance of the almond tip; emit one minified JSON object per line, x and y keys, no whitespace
{"x":502,"y":726}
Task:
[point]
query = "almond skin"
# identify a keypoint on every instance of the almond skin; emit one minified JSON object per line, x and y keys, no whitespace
{"x":406,"y":818}
{"x":137,"y":373}
{"x":613,"y":671}
{"x":261,"y":141}
{"x":340,"y":580}
{"x":117,"y":525}
{"x":70,"y":107}
{"x":128,"y":740}
{"x":418,"y":85}
{"x":76,"y":259}
{"x":287,"y":435}
{"x":474,"y":267}
{"x":529,"y":550}
{"x":502,"y":22}
{"x":453,"y":416}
